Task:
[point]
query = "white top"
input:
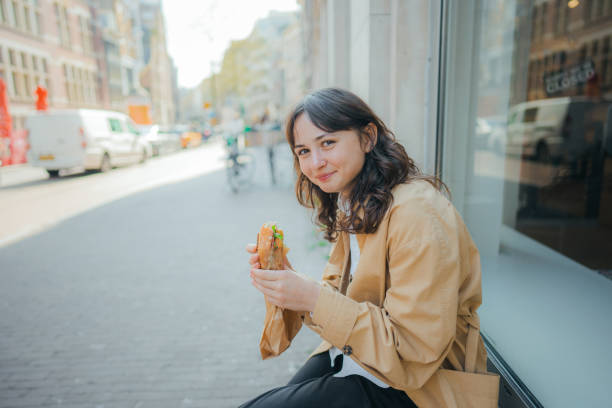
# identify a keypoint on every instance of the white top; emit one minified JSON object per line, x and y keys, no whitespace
{"x":349,"y":366}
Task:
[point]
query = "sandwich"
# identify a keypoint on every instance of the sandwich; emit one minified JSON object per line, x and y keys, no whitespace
{"x":271,"y":247}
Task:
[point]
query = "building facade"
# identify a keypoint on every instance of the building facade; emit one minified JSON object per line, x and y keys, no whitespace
{"x":86,"y":54}
{"x":510,"y":102}
{"x":51,"y":44}
{"x":157,"y":76}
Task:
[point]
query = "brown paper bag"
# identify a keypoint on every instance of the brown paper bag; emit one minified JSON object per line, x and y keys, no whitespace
{"x":276,"y":336}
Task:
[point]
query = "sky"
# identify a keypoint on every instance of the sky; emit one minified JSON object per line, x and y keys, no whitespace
{"x":199,"y":31}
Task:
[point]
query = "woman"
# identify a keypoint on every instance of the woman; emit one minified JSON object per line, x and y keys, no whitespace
{"x":400,"y":290}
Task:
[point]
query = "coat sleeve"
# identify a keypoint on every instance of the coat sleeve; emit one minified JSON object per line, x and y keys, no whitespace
{"x":406,"y":340}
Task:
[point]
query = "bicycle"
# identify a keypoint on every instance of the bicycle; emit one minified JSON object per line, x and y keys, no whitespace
{"x":240,"y":165}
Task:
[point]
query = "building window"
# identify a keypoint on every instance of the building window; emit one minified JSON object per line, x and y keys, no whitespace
{"x":595,"y":9}
{"x":561,"y":21}
{"x":26,"y":73}
{"x":16,"y":18}
{"x":534,"y":21}
{"x":78,"y":82}
{"x":24,"y":60}
{"x":37,"y":22}
{"x":3,"y":18}
{"x":17,"y":84}
{"x":23,"y":15}
{"x":86,"y":35}
{"x":544,"y":20}
{"x":28,"y":90}
{"x":61,"y":16}
{"x":26,"y":19}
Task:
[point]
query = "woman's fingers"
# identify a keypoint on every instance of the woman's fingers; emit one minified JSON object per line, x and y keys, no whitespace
{"x":270,"y":294}
{"x":272,"y":285}
{"x":264,"y":274}
{"x":254,"y":259}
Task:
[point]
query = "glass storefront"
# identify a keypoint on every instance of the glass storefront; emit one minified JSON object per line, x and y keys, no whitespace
{"x":529,"y":160}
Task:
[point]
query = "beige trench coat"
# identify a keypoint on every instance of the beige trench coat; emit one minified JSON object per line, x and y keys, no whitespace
{"x":407,"y":307}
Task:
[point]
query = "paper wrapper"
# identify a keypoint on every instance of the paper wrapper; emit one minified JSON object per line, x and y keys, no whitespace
{"x":276,"y":336}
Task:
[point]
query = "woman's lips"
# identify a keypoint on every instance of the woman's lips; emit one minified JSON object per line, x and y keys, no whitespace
{"x":325,"y":177}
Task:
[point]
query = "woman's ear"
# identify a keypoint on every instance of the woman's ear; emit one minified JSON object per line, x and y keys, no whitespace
{"x":372,"y":133}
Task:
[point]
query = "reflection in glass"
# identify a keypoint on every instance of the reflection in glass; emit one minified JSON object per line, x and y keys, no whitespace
{"x":544,"y":123}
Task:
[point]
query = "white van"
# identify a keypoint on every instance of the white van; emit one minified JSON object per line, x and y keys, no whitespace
{"x":551,"y":129}
{"x":83,"y":139}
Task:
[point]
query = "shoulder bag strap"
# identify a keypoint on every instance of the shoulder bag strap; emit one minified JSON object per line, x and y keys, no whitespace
{"x":346,"y":271}
{"x":471,"y":348}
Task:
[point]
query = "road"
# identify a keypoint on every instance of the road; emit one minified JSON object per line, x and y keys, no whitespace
{"x":131,"y":288}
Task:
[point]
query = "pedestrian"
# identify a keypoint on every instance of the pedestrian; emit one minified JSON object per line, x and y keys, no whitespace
{"x":269,"y":141}
{"x":396,"y":307}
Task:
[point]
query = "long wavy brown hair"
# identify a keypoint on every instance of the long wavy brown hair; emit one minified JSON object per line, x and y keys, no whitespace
{"x":386,"y":165}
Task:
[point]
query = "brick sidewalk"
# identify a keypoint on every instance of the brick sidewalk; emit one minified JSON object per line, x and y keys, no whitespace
{"x":146,"y":301}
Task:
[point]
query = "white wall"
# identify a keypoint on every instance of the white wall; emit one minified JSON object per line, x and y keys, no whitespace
{"x":386,"y":52}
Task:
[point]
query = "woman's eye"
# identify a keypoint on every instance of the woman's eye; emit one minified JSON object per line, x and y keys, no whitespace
{"x":328,"y":142}
{"x":302,"y":152}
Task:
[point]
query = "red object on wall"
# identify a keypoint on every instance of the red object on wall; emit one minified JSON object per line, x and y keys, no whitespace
{"x":5,"y":127}
{"x":41,"y":98}
{"x":19,"y":146}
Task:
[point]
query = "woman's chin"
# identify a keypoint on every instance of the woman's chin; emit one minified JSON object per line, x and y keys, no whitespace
{"x":324,"y":187}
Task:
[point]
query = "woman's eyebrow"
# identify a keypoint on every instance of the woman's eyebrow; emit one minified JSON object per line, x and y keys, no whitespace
{"x":316,"y":138}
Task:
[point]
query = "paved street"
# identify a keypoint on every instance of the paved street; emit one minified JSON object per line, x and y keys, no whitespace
{"x":131,"y":289}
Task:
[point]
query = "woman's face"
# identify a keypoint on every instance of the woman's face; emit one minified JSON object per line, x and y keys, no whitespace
{"x":333,"y":160}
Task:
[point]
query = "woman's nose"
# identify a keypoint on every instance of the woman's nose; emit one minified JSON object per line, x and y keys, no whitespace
{"x":318,"y":160}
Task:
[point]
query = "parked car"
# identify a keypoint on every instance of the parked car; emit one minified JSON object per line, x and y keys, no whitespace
{"x":206,"y":132}
{"x":149,"y":133}
{"x":83,"y":139}
{"x":554,"y":130}
{"x":171,"y":139}
{"x":189,"y":137}
{"x":163,"y":140}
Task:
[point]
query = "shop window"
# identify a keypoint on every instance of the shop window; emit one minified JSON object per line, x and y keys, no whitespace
{"x":535,"y":188}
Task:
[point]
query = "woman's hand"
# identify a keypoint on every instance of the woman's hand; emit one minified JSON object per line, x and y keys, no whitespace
{"x":286,"y":288}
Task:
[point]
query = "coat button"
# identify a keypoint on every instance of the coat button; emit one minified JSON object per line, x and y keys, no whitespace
{"x":347,"y":350}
